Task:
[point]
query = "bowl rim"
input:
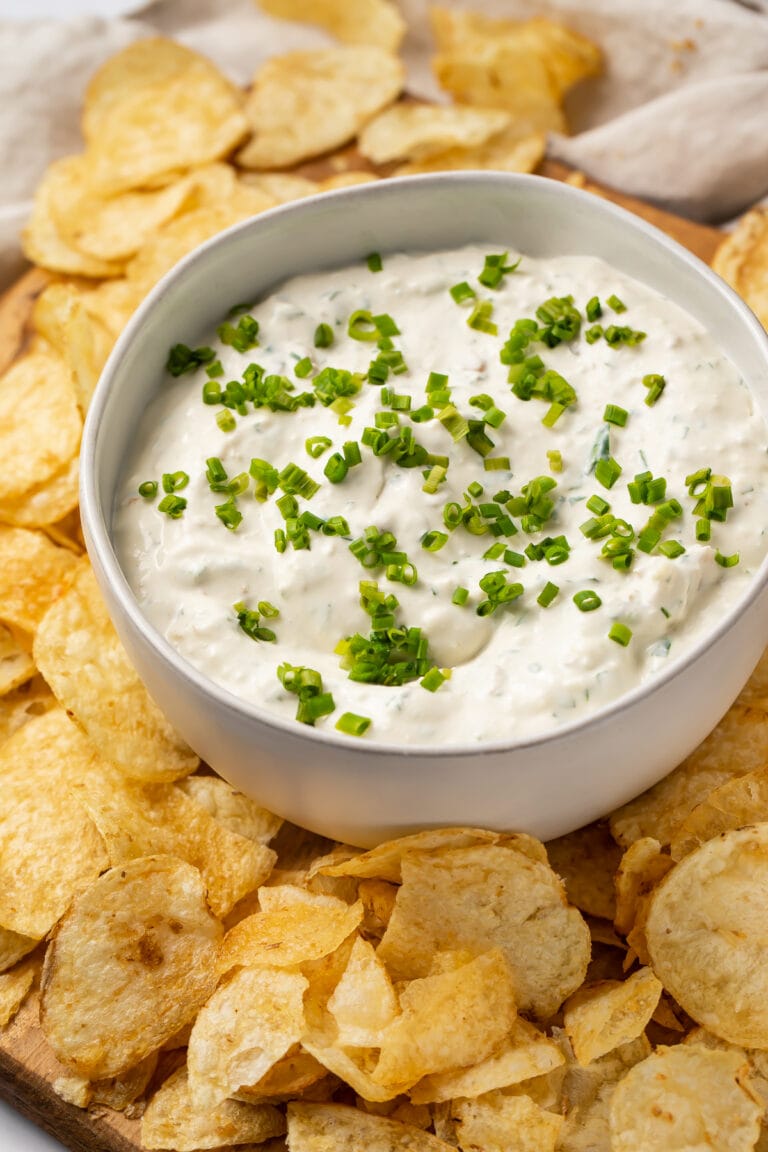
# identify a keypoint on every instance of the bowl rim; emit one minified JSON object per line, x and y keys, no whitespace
{"x":102,"y":552}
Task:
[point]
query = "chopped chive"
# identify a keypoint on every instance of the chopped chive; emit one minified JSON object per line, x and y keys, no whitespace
{"x":182,"y":359}
{"x":435,"y":478}
{"x":433,"y":679}
{"x":475,"y":489}
{"x":148,"y":489}
{"x":281,"y":540}
{"x":172,"y":506}
{"x":248,"y":620}
{"x":352,"y":455}
{"x":597,"y":505}
{"x":349,"y":722}
{"x":671,"y":549}
{"x":655,"y":385}
{"x":463,"y":291}
{"x":433,"y":541}
{"x":229,"y":514}
{"x":303,"y":367}
{"x":607,"y":472}
{"x":362,"y":326}
{"x":212,"y":392}
{"x":594,"y":309}
{"x":316,"y":445}
{"x":373,"y":260}
{"x":423,"y":414}
{"x":616,"y":304}
{"x":555,"y":459}
{"x":495,"y":269}
{"x":587,"y":600}
{"x":460,"y":597}
{"x":174,"y":481}
{"x":496,"y":464}
{"x":226,"y":420}
{"x":323,"y":336}
{"x":593,"y":334}
{"x":620,"y":633}
{"x":547,"y":594}
{"x":453,"y":422}
{"x":336,"y":468}
{"x":514,"y":559}
{"x":480,"y":318}
{"x":703,"y":530}
{"x":727,"y":561}
{"x":615,"y":415}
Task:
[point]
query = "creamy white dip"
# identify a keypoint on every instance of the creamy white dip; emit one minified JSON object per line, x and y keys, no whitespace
{"x":524,"y":669}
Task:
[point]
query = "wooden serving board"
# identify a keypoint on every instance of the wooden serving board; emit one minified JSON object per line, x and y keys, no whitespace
{"x":28,"y":1068}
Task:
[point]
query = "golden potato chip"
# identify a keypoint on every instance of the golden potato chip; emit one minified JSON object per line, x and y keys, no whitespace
{"x":355,"y":1066}
{"x":739,"y":744}
{"x":585,"y":1094}
{"x":14,"y":947}
{"x":44,"y":506}
{"x":601,"y":1017}
{"x":172,"y":1120}
{"x":425,"y":1039}
{"x":324,"y":973}
{"x":140,"y":819}
{"x":41,"y":240}
{"x":305,"y":103}
{"x":506,"y":152}
{"x":291,"y":932}
{"x":364,"y":1002}
{"x":117,"y":1092}
{"x":31,"y":699}
{"x":378,"y":897}
{"x":683,"y":1098}
{"x":14,"y":988}
{"x":130,"y":962}
{"x":506,"y":1124}
{"x":705,"y":929}
{"x":33,"y":572}
{"x":754,"y":694}
{"x":642,"y":867}
{"x":585,"y":860}
{"x":742,"y":259}
{"x":741,"y":801}
{"x":231,"y":808}
{"x":293,"y":1075}
{"x":346,"y":180}
{"x":81,"y":657}
{"x":280,"y":186}
{"x":16,"y":663}
{"x":50,"y":848}
{"x":367,"y":22}
{"x":40,"y":424}
{"x":326,"y":1127}
{"x":155,"y":109}
{"x":483,"y":897}
{"x":76,"y":1090}
{"x":418,"y":131}
{"x":248,"y":1024}
{"x":110,"y":306}
{"x":384,"y":861}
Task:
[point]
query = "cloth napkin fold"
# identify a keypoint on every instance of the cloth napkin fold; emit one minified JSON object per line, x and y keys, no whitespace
{"x":679,"y":117}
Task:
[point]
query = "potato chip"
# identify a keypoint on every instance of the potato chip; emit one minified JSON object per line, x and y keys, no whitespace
{"x":525,"y":1054}
{"x":14,"y":947}
{"x":280,"y":186}
{"x":326,"y":1127}
{"x":14,"y":988}
{"x":293,"y":1075}
{"x":16,"y":663}
{"x":384,"y":861}
{"x":44,"y":506}
{"x":50,"y":848}
{"x":291,"y":932}
{"x":231,"y":808}
{"x":506,"y":152}
{"x":172,"y":1120}
{"x":33,"y":572}
{"x":642,"y":867}
{"x":140,"y":819}
{"x":378,"y":897}
{"x":81,"y":657}
{"x":418,"y":131}
{"x":41,"y":240}
{"x":40,"y":424}
{"x":585,"y":860}
{"x":741,"y":801}
{"x":305,"y":103}
{"x":109,"y":307}
{"x":363,"y":1003}
{"x":739,"y":744}
{"x":683,"y":1098}
{"x":601,"y":1017}
{"x":248,"y":1024}
{"x":705,"y":932}
{"x":506,"y":1124}
{"x":483,"y":897}
{"x":130,"y":962}
{"x":754,"y":694}
{"x":368,"y":22}
{"x":155,"y":109}
{"x":355,"y":1066}
{"x":424,"y":1039}
{"x":346,"y":180}
{"x":117,"y":1092}
{"x":31,"y":699}
{"x":585,"y":1094}
{"x":742,"y":259}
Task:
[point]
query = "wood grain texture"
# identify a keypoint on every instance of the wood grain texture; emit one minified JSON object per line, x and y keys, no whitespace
{"x":28,"y":1068}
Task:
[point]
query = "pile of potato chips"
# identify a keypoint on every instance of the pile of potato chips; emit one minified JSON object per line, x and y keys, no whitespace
{"x":233,"y":982}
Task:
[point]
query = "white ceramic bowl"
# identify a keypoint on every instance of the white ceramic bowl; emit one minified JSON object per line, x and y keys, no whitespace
{"x":365,"y":793}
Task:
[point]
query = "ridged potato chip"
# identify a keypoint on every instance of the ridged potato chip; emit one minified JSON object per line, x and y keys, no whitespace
{"x":140,"y":819}
{"x":367,"y":22}
{"x":130,"y":962}
{"x":15,"y":987}
{"x":172,"y":1120}
{"x":33,"y":572}
{"x":50,"y":848}
{"x":418,"y":131}
{"x":506,"y":152}
{"x":683,"y":1098}
{"x":506,"y":1124}
{"x":384,"y":861}
{"x":355,"y":1066}
{"x":293,"y":1075}
{"x":40,"y":424}
{"x":290,"y":933}
{"x":81,"y":657}
{"x":154,"y":110}
{"x":364,"y":1002}
{"x":337,"y":1128}
{"x":46,"y":505}
{"x":742,"y":260}
{"x":305,"y":103}
{"x":739,"y":744}
{"x":16,"y":663}
{"x":642,"y":867}
{"x":525,"y":1054}
{"x":601,"y":1017}
{"x":732,"y":805}
{"x":483,"y":897}
{"x":425,"y":1040}
{"x":706,"y":927}
{"x":231,"y":808}
{"x":249,"y":1023}
{"x":117,"y":1092}
{"x":586,"y":860}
